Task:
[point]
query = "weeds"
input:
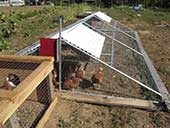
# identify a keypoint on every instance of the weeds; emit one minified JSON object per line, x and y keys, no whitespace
{"x":3,"y":44}
{"x":120,"y":118}
{"x":63,"y":124}
{"x":75,"y":118}
{"x":100,"y":123}
{"x":164,"y":69}
{"x":156,"y":119}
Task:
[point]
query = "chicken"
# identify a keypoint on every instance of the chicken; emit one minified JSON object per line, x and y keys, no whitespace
{"x":11,"y":82}
{"x":80,"y":71}
{"x":72,"y":82}
{"x":68,"y":84}
{"x":98,"y":77}
{"x":54,"y":77}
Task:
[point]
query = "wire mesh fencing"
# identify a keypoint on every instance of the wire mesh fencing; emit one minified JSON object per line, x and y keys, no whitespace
{"x":122,"y":46}
{"x":78,"y":74}
{"x":32,"y":109}
{"x":13,"y":73}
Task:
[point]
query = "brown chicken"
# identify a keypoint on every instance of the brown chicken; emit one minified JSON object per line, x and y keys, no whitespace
{"x":11,"y":82}
{"x":98,"y":77}
{"x":80,"y":71}
{"x":72,"y":82}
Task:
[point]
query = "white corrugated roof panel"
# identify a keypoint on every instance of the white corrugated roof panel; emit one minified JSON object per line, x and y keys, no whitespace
{"x":84,"y":38}
{"x":103,"y":16}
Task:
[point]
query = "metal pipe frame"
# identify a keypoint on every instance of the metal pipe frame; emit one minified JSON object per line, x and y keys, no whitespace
{"x":35,"y":46}
{"x":164,"y":94}
{"x":106,"y":54}
{"x":114,"y":27}
{"x":115,"y":23}
{"x":108,"y":30}
{"x":123,"y":25}
{"x":113,"y":68}
{"x":59,"y":52}
{"x":112,"y":38}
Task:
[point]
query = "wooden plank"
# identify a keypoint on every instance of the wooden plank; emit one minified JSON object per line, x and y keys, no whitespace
{"x":34,"y":79}
{"x":113,"y":44}
{"x":52,"y":88}
{"x":47,"y":114}
{"x":25,"y":88}
{"x":25,"y":58}
{"x":110,"y":101}
{"x":6,"y":94}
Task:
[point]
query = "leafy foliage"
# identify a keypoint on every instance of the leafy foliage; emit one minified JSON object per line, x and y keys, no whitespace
{"x":26,"y":24}
{"x":3,"y":44}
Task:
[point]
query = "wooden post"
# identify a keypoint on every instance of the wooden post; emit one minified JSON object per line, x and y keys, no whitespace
{"x":51,"y":85}
{"x":26,"y":87}
{"x":47,"y":114}
{"x":111,"y":101}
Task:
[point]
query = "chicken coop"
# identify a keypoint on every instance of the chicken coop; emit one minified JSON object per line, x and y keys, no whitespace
{"x":104,"y":62}
{"x":26,"y":90}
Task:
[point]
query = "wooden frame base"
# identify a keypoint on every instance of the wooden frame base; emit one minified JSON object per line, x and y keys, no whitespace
{"x":11,"y":100}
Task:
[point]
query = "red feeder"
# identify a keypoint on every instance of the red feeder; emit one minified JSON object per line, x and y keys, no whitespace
{"x":48,"y":47}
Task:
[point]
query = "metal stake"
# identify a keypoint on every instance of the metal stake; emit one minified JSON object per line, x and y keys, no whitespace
{"x":59,"y":52}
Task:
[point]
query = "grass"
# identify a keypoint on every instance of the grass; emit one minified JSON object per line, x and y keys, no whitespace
{"x":100,"y":123}
{"x":156,"y":119}
{"x":165,"y":70}
{"x":75,"y":118}
{"x":120,"y":118}
{"x":147,"y":19}
{"x":63,"y":124}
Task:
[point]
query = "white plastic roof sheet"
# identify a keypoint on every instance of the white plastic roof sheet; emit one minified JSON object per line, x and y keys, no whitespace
{"x":103,"y":16}
{"x":84,"y":38}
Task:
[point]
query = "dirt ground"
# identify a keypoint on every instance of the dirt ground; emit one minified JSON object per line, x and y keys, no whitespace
{"x":78,"y":115}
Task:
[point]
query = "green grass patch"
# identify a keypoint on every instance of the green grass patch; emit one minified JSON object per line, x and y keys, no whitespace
{"x":164,"y":69}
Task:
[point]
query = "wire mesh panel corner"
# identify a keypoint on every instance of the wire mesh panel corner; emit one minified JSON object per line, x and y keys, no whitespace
{"x":28,"y":82}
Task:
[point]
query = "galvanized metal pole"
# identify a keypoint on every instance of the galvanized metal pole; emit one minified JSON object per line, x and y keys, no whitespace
{"x":113,"y":45}
{"x":59,"y":52}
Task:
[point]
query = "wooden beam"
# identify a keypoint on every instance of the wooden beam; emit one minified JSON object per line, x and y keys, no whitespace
{"x":25,"y":58}
{"x":110,"y":101}
{"x":47,"y":114}
{"x":25,"y":88}
{"x":52,"y":88}
{"x":6,"y":94}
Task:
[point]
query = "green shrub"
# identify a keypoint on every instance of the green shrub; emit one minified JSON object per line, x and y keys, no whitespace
{"x":3,"y":44}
